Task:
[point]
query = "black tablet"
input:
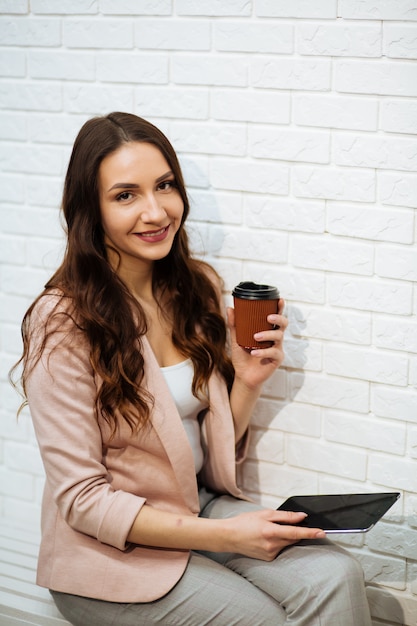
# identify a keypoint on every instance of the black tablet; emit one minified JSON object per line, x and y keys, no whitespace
{"x":342,"y":513}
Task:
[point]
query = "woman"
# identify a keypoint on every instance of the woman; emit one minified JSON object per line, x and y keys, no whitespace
{"x":141,"y":413}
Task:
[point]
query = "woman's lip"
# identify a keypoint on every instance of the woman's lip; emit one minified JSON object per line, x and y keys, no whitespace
{"x":153,"y":236}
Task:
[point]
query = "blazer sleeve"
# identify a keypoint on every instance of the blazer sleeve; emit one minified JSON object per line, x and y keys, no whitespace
{"x":61,"y":390}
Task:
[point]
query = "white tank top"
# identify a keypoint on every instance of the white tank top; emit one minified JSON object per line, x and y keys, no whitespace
{"x":179,"y":379}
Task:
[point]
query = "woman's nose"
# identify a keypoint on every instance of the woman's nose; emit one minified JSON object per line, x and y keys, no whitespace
{"x":152,"y":210}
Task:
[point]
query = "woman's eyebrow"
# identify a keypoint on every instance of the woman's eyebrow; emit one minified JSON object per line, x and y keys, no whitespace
{"x":124,"y":186}
{"x":136,"y":186}
{"x":161,"y":178}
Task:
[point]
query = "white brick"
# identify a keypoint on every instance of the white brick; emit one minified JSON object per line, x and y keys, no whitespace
{"x":61,"y":65}
{"x":209,"y":138}
{"x":410,"y":509}
{"x":19,"y":510}
{"x":398,"y":189}
{"x":383,"y":78}
{"x":213,"y":8}
{"x":276,"y":386}
{"x":55,"y":129}
{"x":319,"y":457}
{"x":31,"y":159}
{"x":35,"y":221}
{"x":370,"y":295}
{"x":136,"y":7}
{"x":291,"y":73}
{"x":332,"y":254}
{"x":277,"y":480}
{"x":225,"y":208}
{"x":269,"y":246}
{"x":331,"y":325}
{"x":11,"y":190}
{"x":400,"y":610}
{"x":289,"y":144}
{"x":412,"y":442}
{"x":30,"y":96}
{"x":12,"y":428}
{"x":195,"y":171}
{"x":339,"y":39}
{"x":275,"y":38}
{"x":172,"y":35}
{"x":399,"y":336}
{"x":13,"y":6}
{"x":66,"y":7}
{"x":395,"y":153}
{"x":334,"y":183}
{"x":205,"y":70}
{"x":399,"y":116}
{"x":398,"y":404}
{"x":304,"y":355}
{"x":304,"y":287}
{"x":12,"y":250}
{"x":12,"y":309}
{"x":285,"y":214}
{"x":97,"y":33}
{"x":335,"y":111}
{"x":267,"y":446}
{"x":22,"y":457}
{"x":13,"y":127}
{"x":44,"y":192}
{"x":366,"y":364}
{"x":198,"y":238}
{"x":397,"y":473}
{"x":296,"y":8}
{"x":335,"y":393}
{"x":397,"y":262}
{"x":413,"y":372}
{"x":250,"y":106}
{"x":370,"y":222}
{"x":23,"y":281}
{"x":383,"y":570}
{"x":132,"y":67}
{"x":95,"y":99}
{"x":400,"y":41}
{"x":44,"y":253}
{"x":16,"y":483}
{"x":250,"y":176}
{"x":29,"y":31}
{"x":12,"y":63}
{"x":394,"y":540}
{"x":356,"y":430}
{"x":378,"y":9}
{"x":289,"y":418}
{"x":171,"y":102}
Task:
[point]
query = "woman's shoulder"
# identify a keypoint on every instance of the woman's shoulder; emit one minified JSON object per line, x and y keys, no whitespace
{"x":51,"y":305}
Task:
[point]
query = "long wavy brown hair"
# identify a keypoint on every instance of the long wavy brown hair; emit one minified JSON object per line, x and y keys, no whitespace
{"x":99,"y":303}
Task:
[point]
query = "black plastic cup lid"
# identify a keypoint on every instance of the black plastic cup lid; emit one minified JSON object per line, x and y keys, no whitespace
{"x":252,"y":291}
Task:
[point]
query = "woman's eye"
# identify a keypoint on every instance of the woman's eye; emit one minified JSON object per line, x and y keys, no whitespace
{"x":125,"y":195}
{"x":167,"y":185}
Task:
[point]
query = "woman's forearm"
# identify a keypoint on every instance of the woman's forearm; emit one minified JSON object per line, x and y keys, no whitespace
{"x":162,"y":529}
{"x":242,"y":404}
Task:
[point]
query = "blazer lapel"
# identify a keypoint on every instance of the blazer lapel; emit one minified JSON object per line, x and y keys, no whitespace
{"x":168,"y":425}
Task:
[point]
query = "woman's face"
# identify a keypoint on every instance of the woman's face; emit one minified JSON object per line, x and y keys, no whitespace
{"x":141,"y":207}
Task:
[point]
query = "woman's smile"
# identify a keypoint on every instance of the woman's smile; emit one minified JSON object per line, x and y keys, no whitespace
{"x":154,"y":236}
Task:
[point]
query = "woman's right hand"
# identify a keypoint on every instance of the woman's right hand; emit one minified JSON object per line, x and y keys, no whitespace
{"x":264,"y":534}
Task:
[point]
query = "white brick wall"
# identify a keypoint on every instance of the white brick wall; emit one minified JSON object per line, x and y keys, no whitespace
{"x":296,"y":126}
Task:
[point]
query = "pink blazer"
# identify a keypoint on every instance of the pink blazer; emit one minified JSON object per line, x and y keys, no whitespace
{"x":95,"y":486}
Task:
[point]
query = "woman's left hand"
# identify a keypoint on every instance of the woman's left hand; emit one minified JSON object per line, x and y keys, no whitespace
{"x":254,"y":367}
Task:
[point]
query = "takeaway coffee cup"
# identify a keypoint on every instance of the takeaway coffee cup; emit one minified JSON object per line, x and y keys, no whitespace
{"x":253,"y":303}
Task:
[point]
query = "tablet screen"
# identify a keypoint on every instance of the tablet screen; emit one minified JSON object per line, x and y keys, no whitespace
{"x":355,"y":512}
